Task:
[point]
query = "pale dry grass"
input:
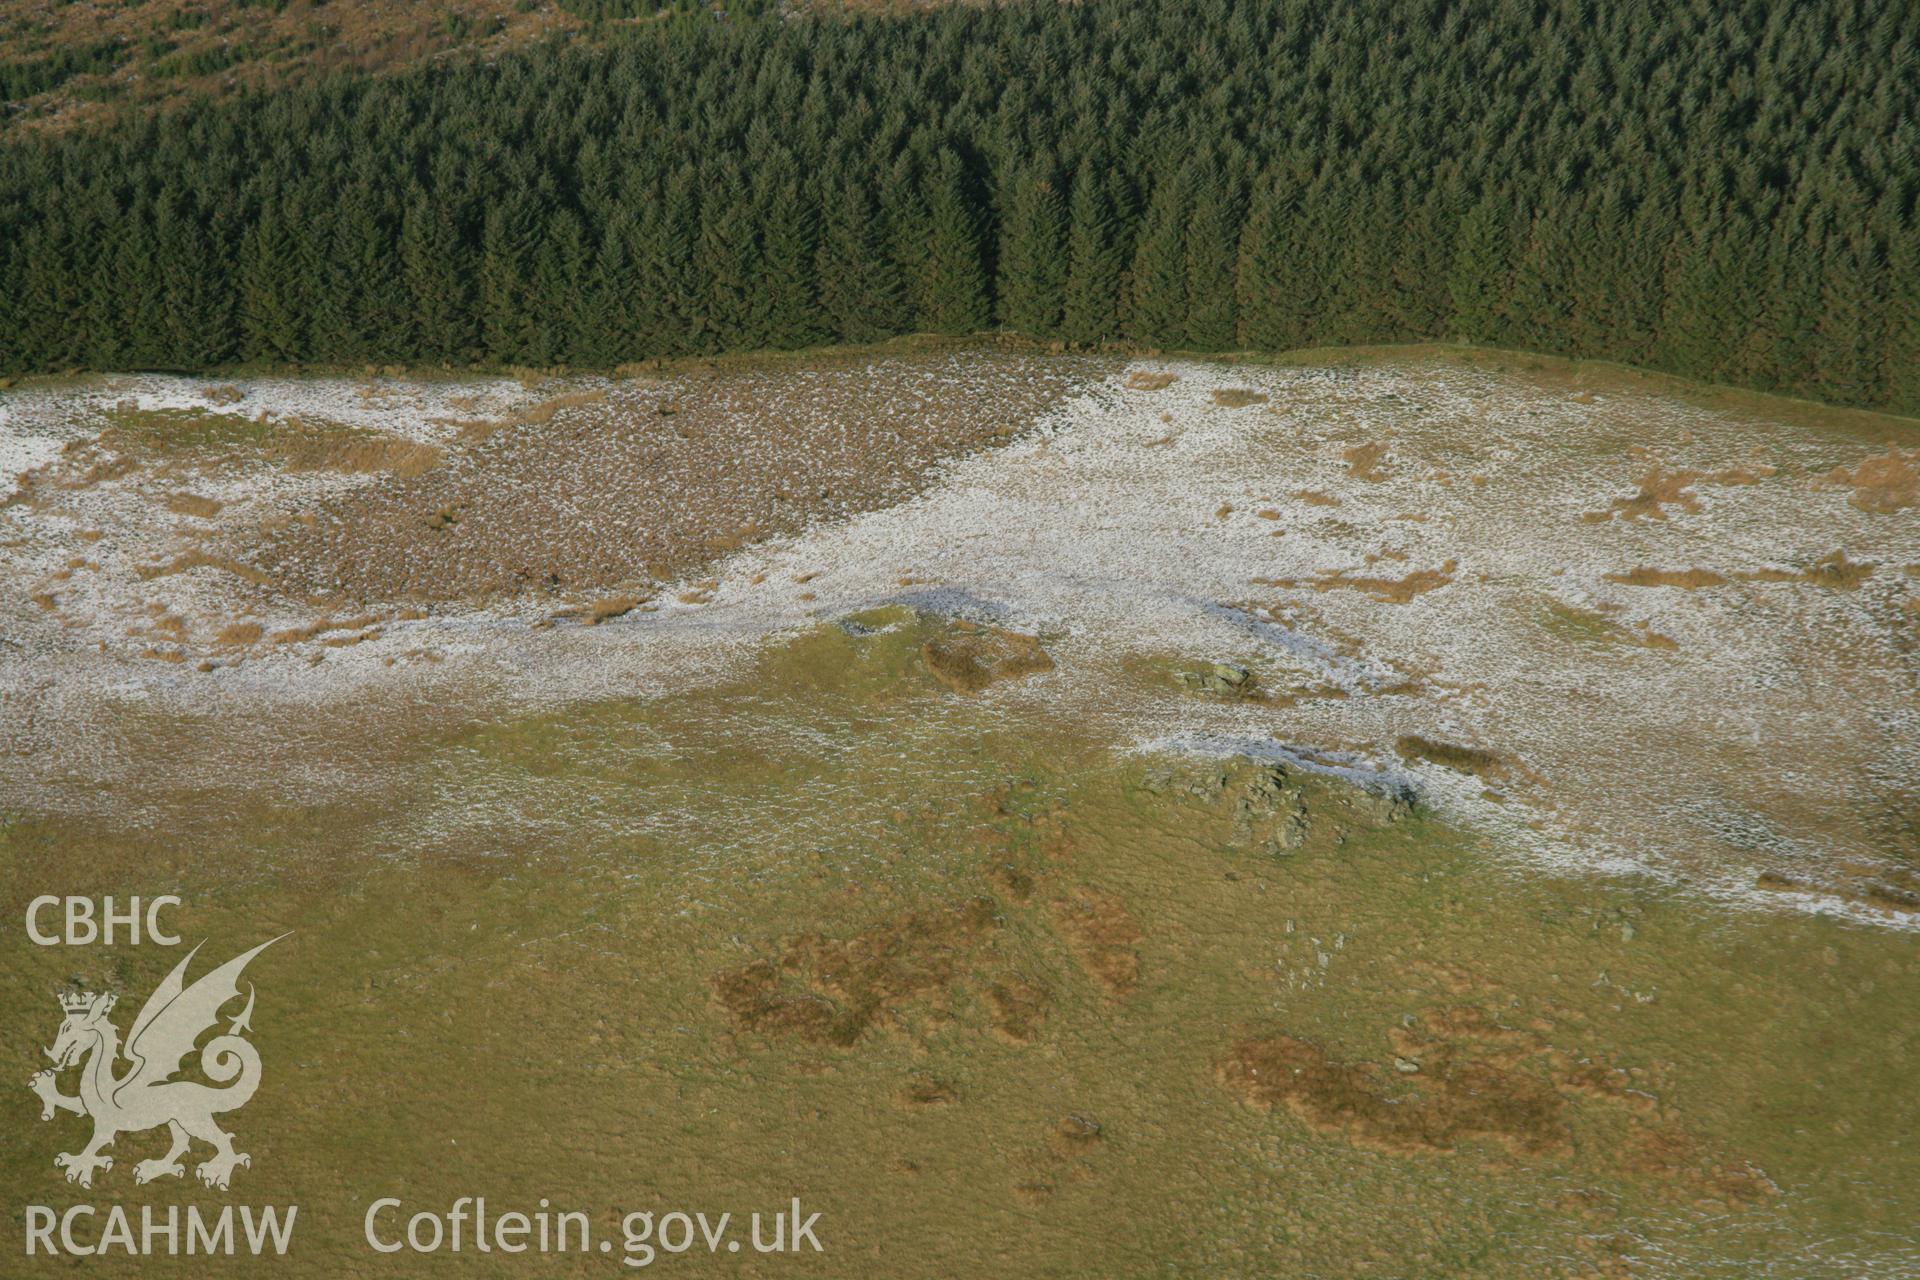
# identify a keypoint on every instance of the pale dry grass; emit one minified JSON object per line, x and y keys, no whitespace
{"x":1885,"y":484}
{"x":1385,"y":590}
{"x":1363,"y":462}
{"x":1685,"y":579}
{"x":198,"y":559}
{"x":1238,"y":397}
{"x":352,"y":453}
{"x":188,"y":504}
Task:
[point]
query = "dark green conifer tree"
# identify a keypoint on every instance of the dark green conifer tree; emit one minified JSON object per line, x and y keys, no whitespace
{"x":1590,"y":310}
{"x":861,"y":292}
{"x":1478,"y":280}
{"x":1157,"y":307}
{"x":956,"y":274}
{"x":367,"y":246}
{"x":1327,"y":295}
{"x":790,"y":221}
{"x":1422,"y":252}
{"x":49,"y":294}
{"x":508,"y":242}
{"x":1096,"y":262}
{"x":106,"y":338}
{"x":1369,"y":308}
{"x":438,"y":283}
{"x":560,"y":289}
{"x":1691,"y":329}
{"x":1638,"y":307}
{"x":1212,"y":250}
{"x":1033,"y":254}
{"x":1902,"y":366}
{"x":671,"y":310}
{"x":1539,"y":293}
{"x":604,"y":315}
{"x":727,"y":256}
{"x":1263,"y":278}
{"x":1849,"y":342}
{"x":141,"y":323}
{"x":909,"y":224}
{"x":272,"y":319}
{"x":197,"y":310}
{"x":1792,"y":302}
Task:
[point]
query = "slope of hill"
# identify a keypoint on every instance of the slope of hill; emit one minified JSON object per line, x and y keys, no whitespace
{"x":69,"y":62}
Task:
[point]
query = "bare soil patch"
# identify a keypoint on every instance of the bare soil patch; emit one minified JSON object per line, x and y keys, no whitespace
{"x":1102,"y":934}
{"x":1016,"y":1008}
{"x":199,"y":560}
{"x":1463,"y":1101}
{"x":1661,"y":489}
{"x":239,"y":634}
{"x":1834,"y":571}
{"x":1589,"y":627}
{"x":832,"y":990}
{"x":925,"y":1090}
{"x":617,"y":490}
{"x":1458,"y":1073}
{"x":1872,"y":893}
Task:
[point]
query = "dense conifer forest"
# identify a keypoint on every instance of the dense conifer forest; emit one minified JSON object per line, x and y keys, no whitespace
{"x":1722,"y":190}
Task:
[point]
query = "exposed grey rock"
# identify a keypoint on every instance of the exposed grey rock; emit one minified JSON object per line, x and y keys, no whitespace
{"x":1225,"y":679}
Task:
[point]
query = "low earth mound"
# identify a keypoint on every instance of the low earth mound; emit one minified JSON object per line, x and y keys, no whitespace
{"x":968,"y":657}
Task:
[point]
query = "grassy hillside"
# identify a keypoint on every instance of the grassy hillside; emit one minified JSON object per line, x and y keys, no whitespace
{"x":1029,"y":1007}
{"x":70,"y":62}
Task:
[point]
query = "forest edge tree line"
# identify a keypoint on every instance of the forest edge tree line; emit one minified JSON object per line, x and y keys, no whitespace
{"x":1709,"y":191}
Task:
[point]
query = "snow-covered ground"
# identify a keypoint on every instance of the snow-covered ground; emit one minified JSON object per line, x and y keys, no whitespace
{"x":1617,"y":594}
